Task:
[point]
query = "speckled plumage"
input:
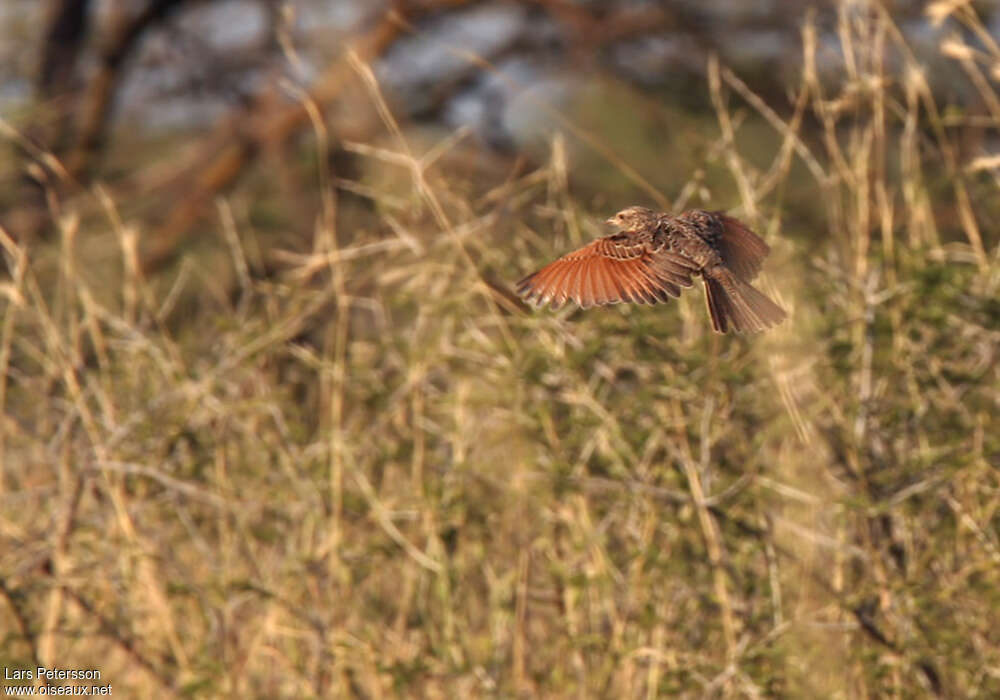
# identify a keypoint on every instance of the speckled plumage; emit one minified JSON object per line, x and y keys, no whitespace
{"x":654,"y":257}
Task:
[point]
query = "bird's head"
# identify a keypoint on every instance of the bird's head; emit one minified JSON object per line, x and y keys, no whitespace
{"x":633,"y":219}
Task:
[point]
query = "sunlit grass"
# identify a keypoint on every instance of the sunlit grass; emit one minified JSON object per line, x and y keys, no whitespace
{"x":359,"y":467}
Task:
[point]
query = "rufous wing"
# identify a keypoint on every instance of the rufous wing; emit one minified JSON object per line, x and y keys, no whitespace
{"x":608,"y":271}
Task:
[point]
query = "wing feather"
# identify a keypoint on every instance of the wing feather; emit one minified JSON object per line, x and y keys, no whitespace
{"x":742,"y":250}
{"x":590,"y":294}
{"x":558,"y":285}
{"x":629,"y":274}
{"x":602,"y":291}
{"x":618,"y":292}
{"x":610,"y":270}
{"x":576,"y":287}
{"x":647,"y":286}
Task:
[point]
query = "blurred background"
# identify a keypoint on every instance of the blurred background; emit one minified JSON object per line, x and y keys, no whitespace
{"x":274,"y":423}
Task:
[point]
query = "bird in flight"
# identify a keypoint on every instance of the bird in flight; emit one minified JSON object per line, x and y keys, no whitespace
{"x":653,"y":257}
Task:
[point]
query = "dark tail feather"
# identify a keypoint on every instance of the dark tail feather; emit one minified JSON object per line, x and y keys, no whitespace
{"x":733,"y":303}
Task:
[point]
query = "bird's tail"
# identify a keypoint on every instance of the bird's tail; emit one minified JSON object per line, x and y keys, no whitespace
{"x":733,"y":303}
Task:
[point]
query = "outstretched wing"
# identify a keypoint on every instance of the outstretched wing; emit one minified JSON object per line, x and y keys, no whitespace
{"x":741,"y":249}
{"x":609,"y":270}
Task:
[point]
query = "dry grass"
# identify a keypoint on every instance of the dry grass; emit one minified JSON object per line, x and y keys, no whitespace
{"x":369,"y":473}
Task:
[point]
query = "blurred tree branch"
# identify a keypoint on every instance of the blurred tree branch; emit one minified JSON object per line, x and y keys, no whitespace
{"x":276,"y":124}
{"x":75,"y":132}
{"x":57,"y":86}
{"x":601,"y":25}
{"x":82,"y":110}
{"x":264,"y":120}
{"x":57,"y":79}
{"x":268,"y":124}
{"x":100,"y":93}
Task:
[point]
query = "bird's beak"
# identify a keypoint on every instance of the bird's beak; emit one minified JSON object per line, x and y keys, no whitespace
{"x":610,"y":220}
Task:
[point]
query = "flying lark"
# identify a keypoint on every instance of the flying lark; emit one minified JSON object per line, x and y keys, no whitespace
{"x":653,"y":257}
